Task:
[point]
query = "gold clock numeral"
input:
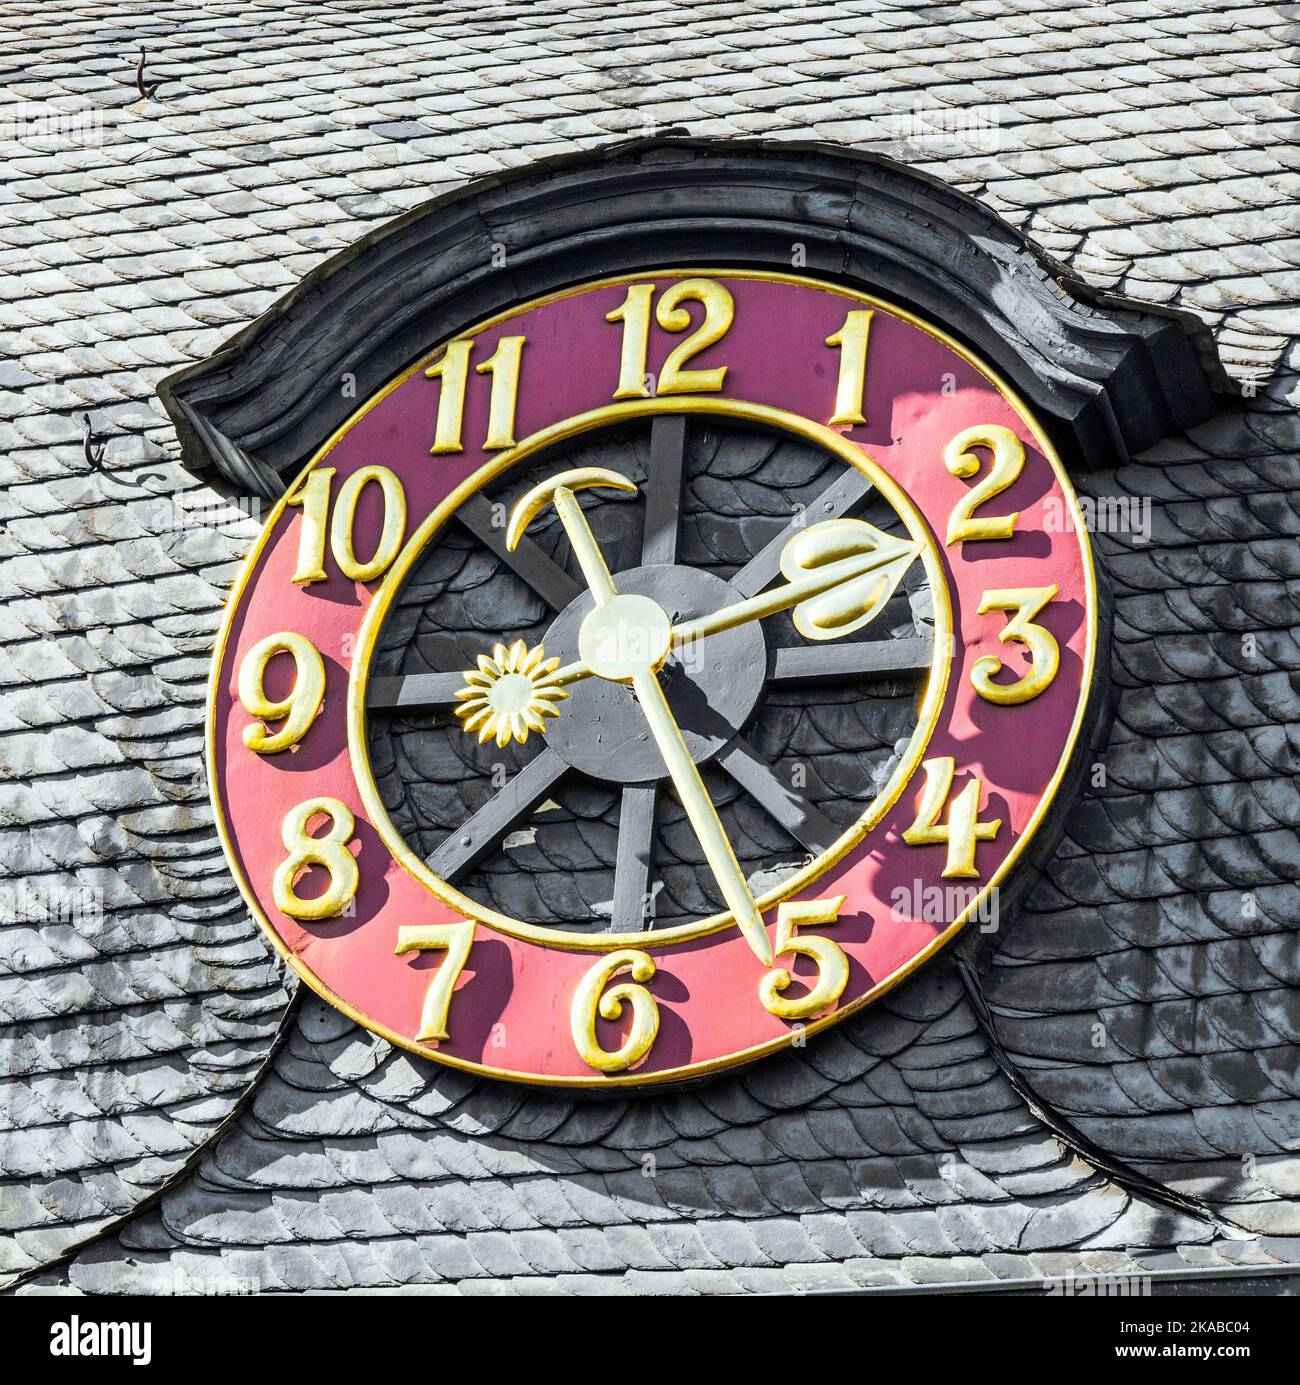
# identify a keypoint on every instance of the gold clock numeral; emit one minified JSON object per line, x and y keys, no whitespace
{"x":719,"y":313}
{"x":634,"y":314}
{"x":1045,"y":653}
{"x":962,"y":830}
{"x":299,"y":707}
{"x":503,"y":367}
{"x":328,"y":851}
{"x":314,"y":497}
{"x":453,"y":938}
{"x":674,"y":378}
{"x":344,"y":522}
{"x":452,"y":369}
{"x":832,"y":964}
{"x":591,"y":998}
{"x":851,"y":339}
{"x":961,"y":460}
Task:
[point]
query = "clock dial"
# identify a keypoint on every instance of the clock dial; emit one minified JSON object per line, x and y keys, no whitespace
{"x":794,"y":737}
{"x":650,"y":676}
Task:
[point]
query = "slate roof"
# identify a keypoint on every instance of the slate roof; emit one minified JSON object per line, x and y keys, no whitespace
{"x":149,"y":1049}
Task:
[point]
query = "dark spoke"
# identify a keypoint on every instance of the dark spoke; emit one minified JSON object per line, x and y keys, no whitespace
{"x":825,"y":663}
{"x":663,"y":489}
{"x":469,"y":843}
{"x":836,"y":500}
{"x":804,"y":821}
{"x":414,"y":692}
{"x":546,"y":577}
{"x":636,"y":830}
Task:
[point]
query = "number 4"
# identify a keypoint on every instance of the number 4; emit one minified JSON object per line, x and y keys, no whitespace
{"x":963,"y":828}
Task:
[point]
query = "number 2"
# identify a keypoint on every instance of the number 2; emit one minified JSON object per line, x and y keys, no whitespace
{"x":961,"y":460}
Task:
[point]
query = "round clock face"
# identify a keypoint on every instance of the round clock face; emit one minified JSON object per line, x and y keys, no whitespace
{"x":651,"y":676}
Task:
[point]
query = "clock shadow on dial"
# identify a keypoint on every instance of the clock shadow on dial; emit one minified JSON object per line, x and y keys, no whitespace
{"x":793,"y":738}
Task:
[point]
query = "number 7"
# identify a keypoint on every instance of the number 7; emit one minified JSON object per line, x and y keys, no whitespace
{"x":457,"y":939}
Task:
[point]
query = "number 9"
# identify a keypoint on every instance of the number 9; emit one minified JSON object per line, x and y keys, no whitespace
{"x":299,"y":708}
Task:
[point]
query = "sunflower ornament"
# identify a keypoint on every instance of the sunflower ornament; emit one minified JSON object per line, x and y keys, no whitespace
{"x":510,"y":694}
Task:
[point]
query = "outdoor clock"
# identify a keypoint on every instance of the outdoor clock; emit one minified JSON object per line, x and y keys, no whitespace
{"x":650,"y":673}
{"x":631,"y":790}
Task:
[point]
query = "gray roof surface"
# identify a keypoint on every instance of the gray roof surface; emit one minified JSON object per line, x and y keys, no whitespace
{"x":1150,"y":145}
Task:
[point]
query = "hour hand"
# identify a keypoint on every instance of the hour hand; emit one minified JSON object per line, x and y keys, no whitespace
{"x":512,"y":692}
{"x":841,"y":574}
{"x":559,"y":491}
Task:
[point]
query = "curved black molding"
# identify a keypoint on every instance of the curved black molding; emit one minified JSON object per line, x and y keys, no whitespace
{"x":1110,"y":1166}
{"x":178,"y":1175}
{"x":1108,"y":376}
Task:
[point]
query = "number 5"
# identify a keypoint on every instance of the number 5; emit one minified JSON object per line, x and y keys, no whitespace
{"x":832,"y":964}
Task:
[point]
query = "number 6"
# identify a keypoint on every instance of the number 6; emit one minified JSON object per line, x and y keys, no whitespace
{"x":591,"y":998}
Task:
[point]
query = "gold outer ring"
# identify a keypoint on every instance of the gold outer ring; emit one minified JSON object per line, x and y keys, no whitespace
{"x":744,"y":1056}
{"x":372,"y":625}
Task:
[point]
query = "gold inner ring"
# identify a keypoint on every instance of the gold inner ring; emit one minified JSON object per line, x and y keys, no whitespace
{"x":372,"y":625}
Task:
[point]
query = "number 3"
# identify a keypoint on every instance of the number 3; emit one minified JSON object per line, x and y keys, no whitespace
{"x":1026,"y":602}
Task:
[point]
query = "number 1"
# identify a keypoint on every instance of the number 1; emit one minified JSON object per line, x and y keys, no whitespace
{"x":851,"y":340}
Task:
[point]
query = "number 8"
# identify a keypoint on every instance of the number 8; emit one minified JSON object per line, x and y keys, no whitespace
{"x":329,"y":851}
